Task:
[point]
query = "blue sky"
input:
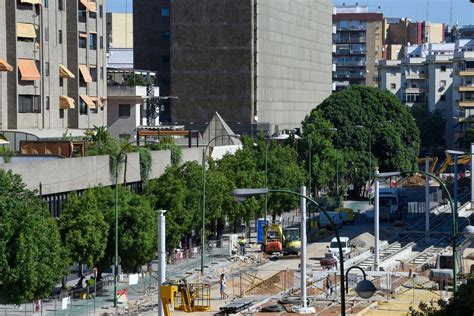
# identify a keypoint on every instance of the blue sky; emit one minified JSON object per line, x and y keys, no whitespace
{"x":439,"y":10}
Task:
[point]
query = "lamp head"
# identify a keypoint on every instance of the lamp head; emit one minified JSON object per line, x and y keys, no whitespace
{"x":365,"y":289}
{"x":241,"y":195}
{"x":468,"y":232}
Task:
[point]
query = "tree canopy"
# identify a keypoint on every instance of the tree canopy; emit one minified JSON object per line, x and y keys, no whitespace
{"x":83,"y":229}
{"x":31,"y":257}
{"x":432,"y":126}
{"x":363,"y":116}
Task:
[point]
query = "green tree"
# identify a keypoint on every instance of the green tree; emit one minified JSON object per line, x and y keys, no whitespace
{"x":242,"y":171}
{"x":31,"y":258}
{"x":389,"y":126}
{"x":468,"y":139}
{"x":137,"y":227}
{"x":318,"y":136}
{"x":178,"y":191}
{"x":283,"y":172}
{"x":83,"y":229}
{"x":432,"y":126}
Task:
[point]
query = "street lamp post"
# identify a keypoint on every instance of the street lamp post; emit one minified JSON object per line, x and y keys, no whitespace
{"x":468,"y":231}
{"x":456,"y":154}
{"x":204,"y":152}
{"x":243,"y":194}
{"x":365,"y":288}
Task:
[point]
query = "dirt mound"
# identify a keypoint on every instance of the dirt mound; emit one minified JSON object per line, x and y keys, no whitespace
{"x":363,"y":241}
{"x":416,"y":180}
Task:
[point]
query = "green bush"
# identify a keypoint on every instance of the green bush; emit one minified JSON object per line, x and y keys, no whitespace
{"x":7,"y":153}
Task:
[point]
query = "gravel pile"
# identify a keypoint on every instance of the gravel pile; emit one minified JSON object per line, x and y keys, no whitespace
{"x":363,"y":241}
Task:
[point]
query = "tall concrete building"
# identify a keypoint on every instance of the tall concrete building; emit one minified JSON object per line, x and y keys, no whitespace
{"x":151,"y":42}
{"x":56,"y":51}
{"x":119,"y":30}
{"x":249,"y":60}
{"x":359,"y":43}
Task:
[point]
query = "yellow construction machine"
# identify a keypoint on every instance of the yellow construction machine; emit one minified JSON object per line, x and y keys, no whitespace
{"x":186,"y":297}
{"x":449,"y":161}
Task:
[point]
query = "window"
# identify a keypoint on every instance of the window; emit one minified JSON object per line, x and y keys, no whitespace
{"x":442,"y":83}
{"x":165,"y":11}
{"x":393,"y":86}
{"x":101,"y":72}
{"x":60,"y":36}
{"x":82,"y":107}
{"x":82,"y":40}
{"x":101,"y":42}
{"x":46,"y":4}
{"x":93,"y":71}
{"x":47,"y":103}
{"x":165,"y":59}
{"x":93,"y":15}
{"x":60,"y":5}
{"x":82,"y":15}
{"x":29,"y":104}
{"x":165,"y":36}
{"x":124,"y":110}
{"x":46,"y":68}
{"x":93,"y":41}
{"x":101,"y":11}
{"x":443,"y":68}
{"x":61,"y":113}
{"x":442,"y":98}
{"x":46,"y":34}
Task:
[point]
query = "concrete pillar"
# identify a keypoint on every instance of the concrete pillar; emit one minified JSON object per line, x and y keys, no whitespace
{"x":161,"y":257}
{"x":303,"y":245}
{"x":376,"y":219}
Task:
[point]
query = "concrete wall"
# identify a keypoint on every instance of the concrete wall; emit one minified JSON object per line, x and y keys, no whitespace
{"x":293,"y":59}
{"x":64,"y":175}
{"x":390,"y":77}
{"x":192,"y":154}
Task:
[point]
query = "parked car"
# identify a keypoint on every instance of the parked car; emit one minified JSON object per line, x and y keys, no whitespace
{"x":345,"y":245}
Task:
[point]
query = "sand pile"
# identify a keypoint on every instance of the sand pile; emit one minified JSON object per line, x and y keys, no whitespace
{"x":363,"y":241}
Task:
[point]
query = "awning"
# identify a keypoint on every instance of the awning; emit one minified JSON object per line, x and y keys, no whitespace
{"x":98,"y":101}
{"x":88,"y":101}
{"x":65,"y":73}
{"x":91,"y":6}
{"x":102,"y":101}
{"x":25,"y":30}
{"x":85,"y":73}
{"x":82,"y":34}
{"x":4,"y":66}
{"x":32,"y":1}
{"x":66,"y":103}
{"x":28,"y":70}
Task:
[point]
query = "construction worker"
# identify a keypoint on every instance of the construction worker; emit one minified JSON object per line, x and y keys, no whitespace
{"x":242,"y":243}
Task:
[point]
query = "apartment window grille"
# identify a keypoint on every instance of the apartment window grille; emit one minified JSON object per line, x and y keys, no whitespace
{"x":47,"y":103}
{"x":61,"y":5}
{"x":82,"y":40}
{"x":93,"y":41}
{"x":29,"y":104}
{"x":60,"y":36}
{"x":82,"y":107}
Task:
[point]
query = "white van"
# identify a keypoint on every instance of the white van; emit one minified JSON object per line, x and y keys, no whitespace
{"x":345,"y":245}
{"x":334,"y":216}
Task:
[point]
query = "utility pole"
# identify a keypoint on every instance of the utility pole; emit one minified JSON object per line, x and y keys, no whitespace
{"x":427,"y":200}
{"x":161,"y":257}
{"x":376,"y":219}
{"x":303,"y":245}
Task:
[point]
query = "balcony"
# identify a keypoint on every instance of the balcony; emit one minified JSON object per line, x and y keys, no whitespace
{"x":466,"y":88}
{"x":466,"y":104}
{"x":415,"y":90}
{"x":415,"y":76}
{"x":468,"y":72}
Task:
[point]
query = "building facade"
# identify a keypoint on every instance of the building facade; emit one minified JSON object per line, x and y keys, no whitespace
{"x":47,"y":43}
{"x":359,"y":43}
{"x":390,"y":76}
{"x":251,"y":61}
{"x":152,"y":38}
{"x":119,"y":30}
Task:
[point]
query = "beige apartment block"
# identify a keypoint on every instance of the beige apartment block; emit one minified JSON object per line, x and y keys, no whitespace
{"x":358,"y":45}
{"x":48,"y":44}
{"x":390,"y":76}
{"x":119,"y":30}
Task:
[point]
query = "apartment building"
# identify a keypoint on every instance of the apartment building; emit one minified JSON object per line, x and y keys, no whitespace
{"x":119,"y":30}
{"x":463,"y":88}
{"x":56,"y":52}
{"x":359,"y":43}
{"x":423,"y":77}
{"x":274,"y":66}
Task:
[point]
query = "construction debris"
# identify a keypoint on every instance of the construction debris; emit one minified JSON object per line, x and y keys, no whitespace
{"x":363,"y":242}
